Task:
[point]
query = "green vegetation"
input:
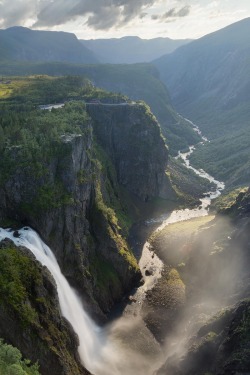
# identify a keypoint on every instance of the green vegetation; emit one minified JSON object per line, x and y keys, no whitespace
{"x":11,"y":362}
{"x":17,"y":274}
{"x":226,"y":201}
{"x":31,"y":138}
{"x":113,"y":208}
{"x":138,"y":81}
{"x":241,"y":334}
{"x":227,"y":157}
{"x":36,"y":149}
{"x":29,"y":305}
{"x":7,"y":89}
{"x":115,"y":219}
{"x":214,"y":93}
{"x":106,"y":276}
{"x":188,"y":186}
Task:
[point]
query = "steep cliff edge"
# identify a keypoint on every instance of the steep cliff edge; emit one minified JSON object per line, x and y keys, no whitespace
{"x":131,"y":136}
{"x":56,"y":178}
{"x":64,"y":172}
{"x":30,"y":314}
{"x":58,"y":198}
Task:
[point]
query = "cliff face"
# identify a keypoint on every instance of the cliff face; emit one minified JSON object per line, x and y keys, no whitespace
{"x":30,"y":317}
{"x":73,"y":201}
{"x":59,"y":216}
{"x":64,"y":222}
{"x":131,"y":136}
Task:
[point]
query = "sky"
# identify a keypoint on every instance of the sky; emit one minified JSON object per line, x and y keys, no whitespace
{"x":93,"y":19}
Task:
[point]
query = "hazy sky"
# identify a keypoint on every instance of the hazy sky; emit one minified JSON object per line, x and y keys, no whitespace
{"x":117,"y":18}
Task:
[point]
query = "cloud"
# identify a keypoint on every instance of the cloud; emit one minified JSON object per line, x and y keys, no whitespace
{"x":155,"y":17}
{"x":16,"y":12}
{"x":174,"y":13}
{"x":98,"y":14}
{"x":142,"y":15}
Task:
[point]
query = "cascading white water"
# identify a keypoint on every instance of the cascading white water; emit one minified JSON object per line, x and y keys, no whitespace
{"x":90,"y":337}
{"x":102,"y":351}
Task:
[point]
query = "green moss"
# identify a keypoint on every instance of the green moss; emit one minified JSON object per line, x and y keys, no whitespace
{"x":108,"y":212}
{"x":85,"y":178}
{"x":112,"y":228}
{"x":113,"y":209}
{"x":105,"y":275}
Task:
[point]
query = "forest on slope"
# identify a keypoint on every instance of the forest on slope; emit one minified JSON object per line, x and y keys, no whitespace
{"x":208,"y":81}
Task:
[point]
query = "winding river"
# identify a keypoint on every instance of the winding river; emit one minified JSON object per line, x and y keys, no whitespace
{"x":116,"y":349}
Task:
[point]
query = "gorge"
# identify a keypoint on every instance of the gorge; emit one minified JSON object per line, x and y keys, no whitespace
{"x":120,"y":254}
{"x":99,"y":350}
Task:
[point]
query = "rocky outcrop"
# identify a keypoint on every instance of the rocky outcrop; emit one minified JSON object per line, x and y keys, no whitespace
{"x":73,"y":199}
{"x":56,"y":204}
{"x":131,"y":136}
{"x":30,"y":317}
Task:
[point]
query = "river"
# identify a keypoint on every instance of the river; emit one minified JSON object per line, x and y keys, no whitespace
{"x":125,"y":346}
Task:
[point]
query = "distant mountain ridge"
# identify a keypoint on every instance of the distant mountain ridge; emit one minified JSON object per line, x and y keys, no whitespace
{"x":132,"y":49}
{"x":209,"y":82}
{"x":212,"y":71}
{"x":22,"y":44}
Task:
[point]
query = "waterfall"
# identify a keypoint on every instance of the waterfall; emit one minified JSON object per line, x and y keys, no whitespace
{"x":121,"y":348}
{"x":103,"y":351}
{"x":90,"y":336}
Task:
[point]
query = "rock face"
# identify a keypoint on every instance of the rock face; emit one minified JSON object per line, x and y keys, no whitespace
{"x":131,"y":136}
{"x":63,"y":226}
{"x":74,"y":201}
{"x":30,"y":317}
{"x":69,"y":203}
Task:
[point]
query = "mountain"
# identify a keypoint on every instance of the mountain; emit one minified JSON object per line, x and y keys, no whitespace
{"x":66,"y":176}
{"x":71,"y":174}
{"x":23,"y":44}
{"x":209,"y":82}
{"x":138,"y":81}
{"x":132,"y":49}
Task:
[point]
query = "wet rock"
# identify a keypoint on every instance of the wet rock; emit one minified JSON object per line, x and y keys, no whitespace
{"x":149,"y":272}
{"x":16,"y":234}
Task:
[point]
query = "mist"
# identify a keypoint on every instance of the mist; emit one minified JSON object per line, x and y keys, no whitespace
{"x":213,"y":269}
{"x":216,"y":275}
